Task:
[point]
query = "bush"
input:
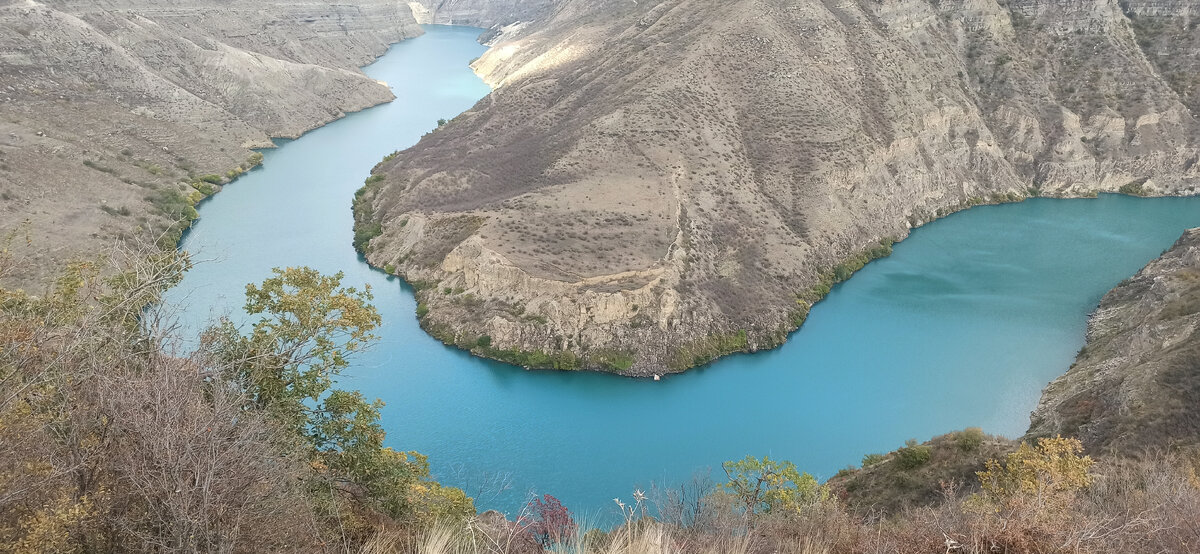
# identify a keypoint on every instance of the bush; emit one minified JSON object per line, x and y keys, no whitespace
{"x":872,"y":459}
{"x":766,"y":485}
{"x":255,"y":160}
{"x":913,"y":455}
{"x":122,"y":211}
{"x":1053,"y":466}
{"x":969,"y":439}
{"x":364,"y":233}
{"x":551,"y":522}
{"x":483,"y":341}
{"x":1134,"y":188}
{"x":422,"y":310}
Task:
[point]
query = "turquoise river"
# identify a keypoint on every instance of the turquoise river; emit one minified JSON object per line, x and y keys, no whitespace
{"x":962,"y":326}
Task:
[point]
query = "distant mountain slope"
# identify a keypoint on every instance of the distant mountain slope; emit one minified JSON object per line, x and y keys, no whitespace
{"x":478,"y":13}
{"x":112,"y":112}
{"x":1136,"y":384}
{"x":657,"y":183}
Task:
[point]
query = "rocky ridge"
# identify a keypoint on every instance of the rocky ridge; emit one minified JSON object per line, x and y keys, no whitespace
{"x":1136,"y":383}
{"x":494,"y":14}
{"x":117,"y":116}
{"x":656,"y":184}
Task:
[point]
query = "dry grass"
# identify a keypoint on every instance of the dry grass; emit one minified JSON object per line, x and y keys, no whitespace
{"x":1131,"y":507}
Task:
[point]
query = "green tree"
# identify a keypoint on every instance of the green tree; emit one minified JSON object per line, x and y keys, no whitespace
{"x":309,"y":325}
{"x":766,"y":486}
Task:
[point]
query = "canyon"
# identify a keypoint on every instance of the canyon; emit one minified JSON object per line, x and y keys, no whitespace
{"x":652,"y":185}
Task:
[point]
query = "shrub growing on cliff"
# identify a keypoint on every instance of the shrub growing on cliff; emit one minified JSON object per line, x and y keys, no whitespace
{"x":1134,"y":188}
{"x":363,"y":234}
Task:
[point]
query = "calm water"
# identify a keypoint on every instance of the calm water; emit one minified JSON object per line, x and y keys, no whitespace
{"x":962,"y":326}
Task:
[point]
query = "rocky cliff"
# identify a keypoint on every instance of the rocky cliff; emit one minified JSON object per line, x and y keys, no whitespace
{"x":479,"y":13}
{"x":657,"y":183}
{"x":1136,"y":383}
{"x":116,"y":116}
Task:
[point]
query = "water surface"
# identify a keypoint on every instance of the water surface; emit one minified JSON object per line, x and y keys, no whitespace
{"x":962,"y":326}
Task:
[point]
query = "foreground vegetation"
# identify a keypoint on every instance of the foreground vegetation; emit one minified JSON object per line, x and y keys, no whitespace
{"x":1043,"y":497}
{"x":112,"y":440}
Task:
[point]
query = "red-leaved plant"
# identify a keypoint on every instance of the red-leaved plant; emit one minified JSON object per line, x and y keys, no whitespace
{"x":549,"y":521}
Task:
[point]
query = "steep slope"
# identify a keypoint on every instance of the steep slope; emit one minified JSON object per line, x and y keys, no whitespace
{"x":116,"y":116}
{"x":657,"y":183}
{"x":1136,"y":384}
{"x":479,"y":13}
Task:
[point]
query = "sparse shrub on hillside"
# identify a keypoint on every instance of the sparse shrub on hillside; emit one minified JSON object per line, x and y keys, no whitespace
{"x":94,"y":165}
{"x":122,"y":211}
{"x":969,"y":439}
{"x":872,"y":459}
{"x":1054,"y":466}
{"x":913,"y":454}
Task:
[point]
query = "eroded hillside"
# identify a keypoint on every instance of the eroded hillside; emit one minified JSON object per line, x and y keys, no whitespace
{"x":1135,"y":385}
{"x":479,"y":13}
{"x":654,"y":184}
{"x":116,"y":116}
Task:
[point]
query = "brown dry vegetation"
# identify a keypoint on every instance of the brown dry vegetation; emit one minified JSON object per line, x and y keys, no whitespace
{"x":111,"y":441}
{"x":1037,"y":500}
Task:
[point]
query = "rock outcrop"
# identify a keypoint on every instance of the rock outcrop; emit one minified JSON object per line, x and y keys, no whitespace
{"x":479,"y":13}
{"x":656,"y":183}
{"x":116,"y":116}
{"x":1136,"y":383}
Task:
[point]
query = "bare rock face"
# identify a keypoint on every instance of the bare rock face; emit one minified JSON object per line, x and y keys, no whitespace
{"x":1136,"y":383}
{"x":479,"y":13}
{"x":656,"y":183}
{"x":116,"y":116}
